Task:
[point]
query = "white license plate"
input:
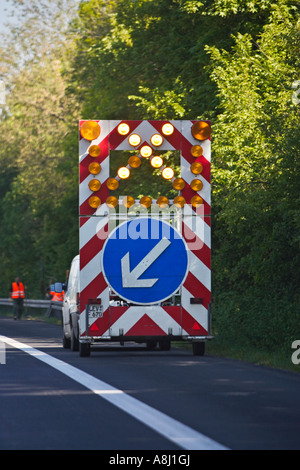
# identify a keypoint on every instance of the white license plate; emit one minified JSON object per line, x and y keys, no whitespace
{"x":95,"y":311}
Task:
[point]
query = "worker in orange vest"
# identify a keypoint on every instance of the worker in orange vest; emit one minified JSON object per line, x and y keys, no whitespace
{"x":56,"y":292}
{"x":17,"y":294}
{"x":57,"y":296}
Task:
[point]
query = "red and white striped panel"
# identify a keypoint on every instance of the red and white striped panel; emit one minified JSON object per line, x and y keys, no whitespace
{"x":196,"y":231}
{"x":110,"y":139}
{"x":187,"y":159}
{"x":185,"y":320}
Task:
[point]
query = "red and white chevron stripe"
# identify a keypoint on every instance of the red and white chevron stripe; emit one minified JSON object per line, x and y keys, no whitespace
{"x":185,"y":320}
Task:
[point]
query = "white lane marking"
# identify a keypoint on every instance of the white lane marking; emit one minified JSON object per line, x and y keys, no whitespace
{"x":171,"y":429}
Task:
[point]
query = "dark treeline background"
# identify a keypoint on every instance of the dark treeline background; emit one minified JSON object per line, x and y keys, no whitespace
{"x":233,"y":62}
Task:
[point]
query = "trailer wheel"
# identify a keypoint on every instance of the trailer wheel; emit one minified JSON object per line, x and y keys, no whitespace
{"x":198,"y":348}
{"x":164,"y":345}
{"x":74,"y":341}
{"x":84,"y":349}
{"x":151,"y":344}
{"x":66,"y":342}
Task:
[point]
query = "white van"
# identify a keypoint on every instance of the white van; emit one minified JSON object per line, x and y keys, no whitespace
{"x":70,"y":311}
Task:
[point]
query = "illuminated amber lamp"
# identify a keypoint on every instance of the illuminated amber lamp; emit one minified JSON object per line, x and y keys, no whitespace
{"x":94,"y":151}
{"x":134,"y":162}
{"x":196,"y":151}
{"x":94,"y":185}
{"x":156,"y":140}
{"x":123,"y":128}
{"x":134,"y":140}
{"x":201,"y":130}
{"x":168,"y":173}
{"x":196,"y":185}
{"x":94,"y":202}
{"x":156,"y":162}
{"x":94,"y":168}
{"x":179,"y":201}
{"x":112,"y":184}
{"x":162,"y":201}
{"x":123,"y":172}
{"x":167,"y":129}
{"x":128,"y":201}
{"x":146,"y":151}
{"x":178,"y":184}
{"x":112,"y":201}
{"x":146,"y":201}
{"x":196,"y":168}
{"x":90,"y":130}
{"x":196,"y":201}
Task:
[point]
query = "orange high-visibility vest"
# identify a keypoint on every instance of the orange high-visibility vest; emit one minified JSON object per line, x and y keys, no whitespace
{"x":17,"y":291}
{"x":57,"y":296}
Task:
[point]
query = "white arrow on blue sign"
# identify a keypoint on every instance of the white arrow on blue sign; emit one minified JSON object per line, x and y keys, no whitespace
{"x":145,"y":260}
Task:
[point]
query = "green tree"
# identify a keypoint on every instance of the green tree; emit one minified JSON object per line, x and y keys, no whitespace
{"x":256,"y":183}
{"x":38,"y":151}
{"x":147,"y":58}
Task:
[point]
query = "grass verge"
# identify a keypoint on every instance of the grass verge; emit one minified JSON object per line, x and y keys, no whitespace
{"x":275,"y":359}
{"x":216,"y":347}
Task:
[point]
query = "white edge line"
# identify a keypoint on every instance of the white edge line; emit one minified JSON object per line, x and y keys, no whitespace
{"x":168,"y":427}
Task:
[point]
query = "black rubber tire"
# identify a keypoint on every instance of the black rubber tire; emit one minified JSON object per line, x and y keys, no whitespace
{"x":84,"y":349}
{"x":164,"y":345}
{"x":199,"y":348}
{"x":66,"y":342}
{"x":74,"y":341}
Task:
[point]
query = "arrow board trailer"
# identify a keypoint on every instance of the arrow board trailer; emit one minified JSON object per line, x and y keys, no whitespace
{"x":145,"y":264}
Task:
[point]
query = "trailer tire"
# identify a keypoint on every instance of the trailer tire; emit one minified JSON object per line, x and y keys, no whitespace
{"x":164,"y":345}
{"x":198,"y":348}
{"x":66,"y":342}
{"x":74,"y":341}
{"x":84,"y":349}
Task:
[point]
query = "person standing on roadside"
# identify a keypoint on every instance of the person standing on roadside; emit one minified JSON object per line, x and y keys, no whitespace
{"x":17,"y":294}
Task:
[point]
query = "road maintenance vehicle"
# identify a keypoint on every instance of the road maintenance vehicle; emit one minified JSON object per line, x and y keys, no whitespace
{"x":144,"y":262}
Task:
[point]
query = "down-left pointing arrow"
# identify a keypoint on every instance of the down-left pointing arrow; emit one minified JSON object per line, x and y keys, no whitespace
{"x":131,"y":278}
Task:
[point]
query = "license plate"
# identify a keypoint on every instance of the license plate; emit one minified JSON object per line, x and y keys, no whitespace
{"x":95,"y":311}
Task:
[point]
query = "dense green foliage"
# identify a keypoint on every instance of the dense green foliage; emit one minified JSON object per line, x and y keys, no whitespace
{"x":233,"y":62}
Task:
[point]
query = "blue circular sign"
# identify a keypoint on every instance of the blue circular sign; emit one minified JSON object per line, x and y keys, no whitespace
{"x":145,"y":260}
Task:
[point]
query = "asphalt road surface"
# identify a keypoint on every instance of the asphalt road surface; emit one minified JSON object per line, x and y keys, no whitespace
{"x":131,"y":398}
